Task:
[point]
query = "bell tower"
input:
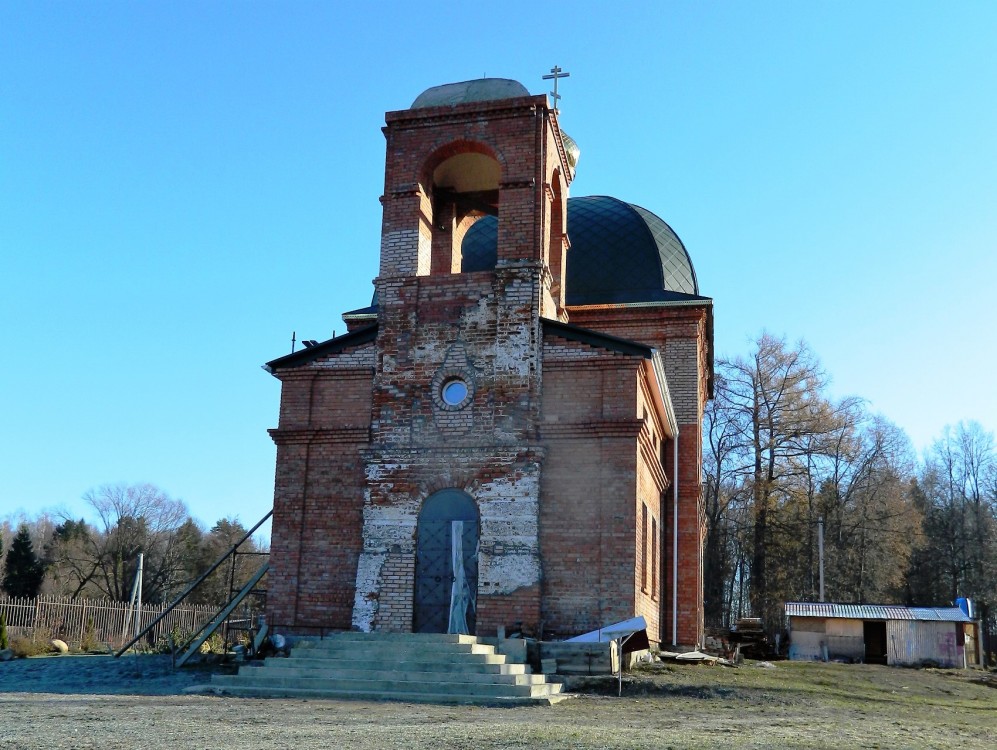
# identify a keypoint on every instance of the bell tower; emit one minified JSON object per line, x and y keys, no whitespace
{"x":467,"y":150}
{"x":456,"y":389}
{"x":462,"y":152}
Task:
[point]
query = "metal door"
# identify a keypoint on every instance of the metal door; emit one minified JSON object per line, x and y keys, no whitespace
{"x":434,"y":569}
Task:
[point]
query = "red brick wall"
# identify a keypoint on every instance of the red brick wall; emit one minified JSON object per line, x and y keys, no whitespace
{"x":651,"y":484}
{"x":599,"y":473}
{"x":680,"y":335}
{"x":318,"y":497}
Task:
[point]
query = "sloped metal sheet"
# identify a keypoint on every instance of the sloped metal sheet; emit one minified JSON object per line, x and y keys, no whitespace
{"x":875,"y":612}
{"x":940,"y":614}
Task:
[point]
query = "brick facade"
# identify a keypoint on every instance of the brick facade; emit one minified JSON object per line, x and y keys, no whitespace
{"x":561,"y":436}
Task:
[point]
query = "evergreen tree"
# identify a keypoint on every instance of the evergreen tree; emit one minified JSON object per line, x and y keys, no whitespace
{"x":24,"y":571}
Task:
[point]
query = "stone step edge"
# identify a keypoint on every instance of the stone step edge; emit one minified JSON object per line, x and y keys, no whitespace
{"x":395,"y":665}
{"x":304,"y":693}
{"x":399,"y":647}
{"x":396,"y":675}
{"x":389,"y":683}
{"x":355,"y":635}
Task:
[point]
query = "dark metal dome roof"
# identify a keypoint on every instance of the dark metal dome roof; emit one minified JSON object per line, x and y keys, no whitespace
{"x":619,"y":253}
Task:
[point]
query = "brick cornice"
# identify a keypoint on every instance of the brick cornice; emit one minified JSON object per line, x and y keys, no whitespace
{"x":312,"y":436}
{"x":611,"y":361}
{"x":382,"y":453}
{"x":626,"y":428}
{"x":313,"y":370}
{"x":468,"y":112}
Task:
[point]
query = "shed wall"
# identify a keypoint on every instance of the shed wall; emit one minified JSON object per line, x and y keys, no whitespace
{"x":911,"y":643}
{"x":844,"y":639}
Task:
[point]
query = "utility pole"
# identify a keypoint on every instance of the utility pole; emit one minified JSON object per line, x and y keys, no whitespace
{"x":820,"y":553}
{"x":138,"y":593}
{"x":135,"y":599}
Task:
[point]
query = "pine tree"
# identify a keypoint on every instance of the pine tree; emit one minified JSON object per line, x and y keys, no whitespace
{"x":24,"y":571}
{"x":4,"y":642}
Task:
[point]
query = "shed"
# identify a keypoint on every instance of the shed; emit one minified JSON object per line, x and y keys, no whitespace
{"x":881,"y":634}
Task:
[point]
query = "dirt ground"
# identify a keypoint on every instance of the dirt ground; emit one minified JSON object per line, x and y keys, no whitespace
{"x":136,"y":702}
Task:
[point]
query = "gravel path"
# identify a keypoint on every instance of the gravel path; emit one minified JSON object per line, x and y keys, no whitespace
{"x":145,"y":674}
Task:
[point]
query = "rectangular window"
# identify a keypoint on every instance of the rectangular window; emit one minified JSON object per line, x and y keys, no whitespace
{"x":643,"y":550}
{"x":654,"y":558}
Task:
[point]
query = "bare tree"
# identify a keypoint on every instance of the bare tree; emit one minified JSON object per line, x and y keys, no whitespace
{"x":957,"y":491}
{"x":71,"y":559}
{"x":777,"y":397}
{"x":132,"y":519}
{"x":725,"y":493}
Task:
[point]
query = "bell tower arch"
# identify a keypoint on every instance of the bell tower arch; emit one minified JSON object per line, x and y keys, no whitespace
{"x":468,"y":150}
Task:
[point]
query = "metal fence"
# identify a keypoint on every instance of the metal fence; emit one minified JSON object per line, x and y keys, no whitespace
{"x":104,"y":623}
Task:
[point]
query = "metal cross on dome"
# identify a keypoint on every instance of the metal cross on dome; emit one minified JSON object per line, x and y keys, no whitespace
{"x":556,"y":73}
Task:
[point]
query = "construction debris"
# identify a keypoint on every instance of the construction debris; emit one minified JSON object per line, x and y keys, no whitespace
{"x":696,"y":657}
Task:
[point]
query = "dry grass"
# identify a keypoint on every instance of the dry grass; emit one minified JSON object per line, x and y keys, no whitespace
{"x":789,"y":706}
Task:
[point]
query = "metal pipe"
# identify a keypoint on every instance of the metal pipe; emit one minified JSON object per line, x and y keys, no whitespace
{"x":675,"y":539}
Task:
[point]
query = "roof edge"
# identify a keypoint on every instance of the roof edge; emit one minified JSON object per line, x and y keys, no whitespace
{"x":332,"y":346}
{"x":837,"y":610}
{"x":594,"y":338}
{"x":658,"y":369}
{"x":680,"y":299}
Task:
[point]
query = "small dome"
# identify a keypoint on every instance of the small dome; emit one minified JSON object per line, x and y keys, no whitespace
{"x":479,"y":90}
{"x":572,"y":149}
{"x":619,"y":253}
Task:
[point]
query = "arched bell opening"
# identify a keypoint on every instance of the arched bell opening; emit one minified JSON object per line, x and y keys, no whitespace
{"x":462,"y":185}
{"x":446,"y":564}
{"x":558,"y":239}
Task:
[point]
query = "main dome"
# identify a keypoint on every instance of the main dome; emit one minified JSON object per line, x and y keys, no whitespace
{"x":619,"y":253}
{"x":478,"y":90}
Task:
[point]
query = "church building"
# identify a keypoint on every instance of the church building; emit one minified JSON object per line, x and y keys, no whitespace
{"x":509,"y":435}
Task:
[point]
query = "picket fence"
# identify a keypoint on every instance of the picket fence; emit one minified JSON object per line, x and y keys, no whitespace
{"x":109,"y":623}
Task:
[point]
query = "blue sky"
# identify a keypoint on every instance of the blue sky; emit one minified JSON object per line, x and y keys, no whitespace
{"x":182,"y":185}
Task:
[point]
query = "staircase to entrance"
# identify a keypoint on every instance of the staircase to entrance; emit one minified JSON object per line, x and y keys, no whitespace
{"x":417,"y":667}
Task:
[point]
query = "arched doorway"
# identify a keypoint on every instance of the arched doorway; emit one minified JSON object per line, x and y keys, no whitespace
{"x":446,"y":564}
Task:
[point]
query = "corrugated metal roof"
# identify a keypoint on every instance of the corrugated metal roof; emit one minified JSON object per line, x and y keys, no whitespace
{"x":874,"y":612}
{"x":941,"y":614}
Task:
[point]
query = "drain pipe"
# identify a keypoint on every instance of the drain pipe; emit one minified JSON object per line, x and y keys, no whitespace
{"x":675,"y":539}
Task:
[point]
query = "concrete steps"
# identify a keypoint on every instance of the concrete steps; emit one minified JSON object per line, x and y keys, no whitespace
{"x":416,"y":667}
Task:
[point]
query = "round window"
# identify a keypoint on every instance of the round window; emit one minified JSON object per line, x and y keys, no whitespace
{"x":454,"y":392}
